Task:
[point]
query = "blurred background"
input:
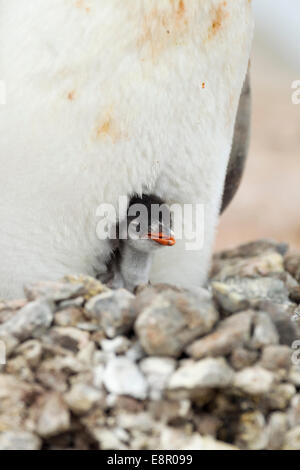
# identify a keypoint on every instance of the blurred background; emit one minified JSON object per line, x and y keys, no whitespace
{"x":268,"y":201}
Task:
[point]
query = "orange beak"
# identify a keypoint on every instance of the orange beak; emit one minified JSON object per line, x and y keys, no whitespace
{"x":162,"y":239}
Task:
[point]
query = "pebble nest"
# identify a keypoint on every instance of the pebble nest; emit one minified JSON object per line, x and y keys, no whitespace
{"x":167,"y":368}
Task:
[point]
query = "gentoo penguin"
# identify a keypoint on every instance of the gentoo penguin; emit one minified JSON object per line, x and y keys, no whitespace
{"x":146,"y":229}
{"x":109,"y":98}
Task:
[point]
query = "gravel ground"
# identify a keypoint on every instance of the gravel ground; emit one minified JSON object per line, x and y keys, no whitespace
{"x":166,"y":368}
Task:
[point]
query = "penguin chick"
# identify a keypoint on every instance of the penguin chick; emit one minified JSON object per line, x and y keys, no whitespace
{"x":147,"y":228}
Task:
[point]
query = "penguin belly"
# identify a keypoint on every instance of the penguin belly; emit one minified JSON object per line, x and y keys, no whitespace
{"x":110,"y":98}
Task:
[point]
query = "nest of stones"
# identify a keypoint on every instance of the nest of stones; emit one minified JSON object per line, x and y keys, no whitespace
{"x":167,"y":368}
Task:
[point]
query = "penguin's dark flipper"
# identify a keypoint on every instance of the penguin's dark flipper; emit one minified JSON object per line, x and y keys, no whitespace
{"x":240,"y":145}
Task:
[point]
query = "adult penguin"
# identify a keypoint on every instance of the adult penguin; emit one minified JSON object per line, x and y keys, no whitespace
{"x":110,"y":98}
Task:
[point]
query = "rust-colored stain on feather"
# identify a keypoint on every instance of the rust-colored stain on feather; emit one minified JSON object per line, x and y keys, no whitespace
{"x":219,"y":15}
{"x":164,"y":27}
{"x":82,"y":5}
{"x":71,"y":95}
{"x":108,"y":127}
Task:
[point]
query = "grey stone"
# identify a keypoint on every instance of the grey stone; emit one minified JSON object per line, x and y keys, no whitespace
{"x":280,"y":396}
{"x":19,"y":440}
{"x":82,"y":398}
{"x":292,"y":264}
{"x":173,"y":319}
{"x":265,"y":332}
{"x":262,"y":265}
{"x":118,"y":345}
{"x":292,"y":439}
{"x":241,"y":358}
{"x":276,"y":357}
{"x":31,"y":321}
{"x":31,"y":351}
{"x":157,"y":371}
{"x":135,"y":352}
{"x":204,"y":374}
{"x":276,"y":430}
{"x":173,"y":439}
{"x":282,"y":315}
{"x":68,"y":338}
{"x":70,"y":316}
{"x":254,"y":381}
{"x":56,"y":291}
{"x":53,"y":417}
{"x":251,"y":433}
{"x":113,"y":311}
{"x":230,"y":334}
{"x":294,"y":412}
{"x":10,"y":344}
{"x":294,"y":375}
{"x":237,"y":294}
{"x":122,"y":377}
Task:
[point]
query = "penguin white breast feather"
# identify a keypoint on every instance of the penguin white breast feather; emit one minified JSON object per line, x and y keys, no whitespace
{"x":107,"y":98}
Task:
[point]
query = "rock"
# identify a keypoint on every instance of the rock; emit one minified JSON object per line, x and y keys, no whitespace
{"x":108,"y":439}
{"x":230,"y":334}
{"x":173,"y":319}
{"x":254,"y":381}
{"x":19,"y":367}
{"x":242,"y":358}
{"x":172,"y":439}
{"x":56,"y":291}
{"x":251,"y":431}
{"x":261,"y":265}
{"x":98,"y":376}
{"x":276,"y":357}
{"x":77,"y":303}
{"x":13,"y":407}
{"x":229,"y":298}
{"x":201,"y":375}
{"x":280,"y":396}
{"x":294,"y":375}
{"x":276,"y":430}
{"x":131,"y":421}
{"x":9,"y":308}
{"x":292,"y":439}
{"x":31,"y":321}
{"x":157,"y":371}
{"x":173,"y":412}
{"x":118,"y":345}
{"x":113,"y":311}
{"x":122,"y":377}
{"x":8,"y":344}
{"x":68,"y":317}
{"x":82,"y":398}
{"x":92,"y":287}
{"x":292,"y":264}
{"x":53,"y":417}
{"x":135,"y":352}
{"x":19,"y":440}
{"x":31,"y":351}
{"x":281,"y":316}
{"x":295,"y":294}
{"x":237,"y":294}
{"x":69,"y":338}
{"x":293,"y":415}
{"x":265,"y":332}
